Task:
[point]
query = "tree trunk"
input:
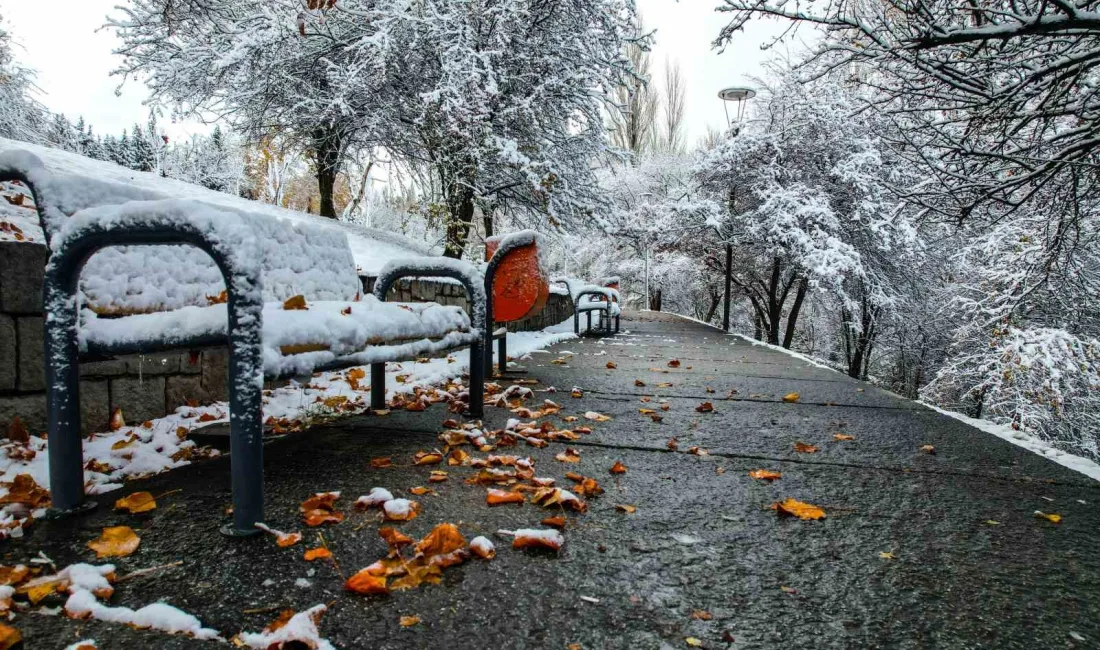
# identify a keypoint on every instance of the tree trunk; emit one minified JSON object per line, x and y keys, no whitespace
{"x":792,"y":317}
{"x":326,"y":183}
{"x":715,"y":300}
{"x":328,"y":147}
{"x":458,"y":230}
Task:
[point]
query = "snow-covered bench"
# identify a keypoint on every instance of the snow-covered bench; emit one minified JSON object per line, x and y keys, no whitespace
{"x":288,"y":308}
{"x":589,"y":298}
{"x":517,"y":286}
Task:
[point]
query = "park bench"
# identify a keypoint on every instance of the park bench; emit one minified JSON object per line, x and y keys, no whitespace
{"x":589,"y":298}
{"x":270,"y":269}
{"x":517,"y":286}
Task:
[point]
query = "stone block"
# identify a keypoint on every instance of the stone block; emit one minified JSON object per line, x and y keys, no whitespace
{"x":180,"y":389}
{"x":191,"y":362}
{"x":105,"y":368}
{"x":32,"y":370}
{"x":31,"y":409}
{"x":8,"y":362}
{"x":95,"y":405}
{"x":139,"y":399}
{"x":140,"y":365}
{"x":215,"y":373}
{"x":22,"y":268}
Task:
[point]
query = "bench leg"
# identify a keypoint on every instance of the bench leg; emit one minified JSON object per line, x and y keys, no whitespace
{"x":589,"y":314}
{"x":502,"y":354}
{"x":246,"y":414}
{"x":378,"y":386}
{"x":576,"y":322}
{"x":616,"y":324}
{"x":477,"y":381}
{"x":63,"y":403}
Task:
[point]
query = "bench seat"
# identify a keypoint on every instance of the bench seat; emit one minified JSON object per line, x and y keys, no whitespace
{"x":295,"y":342}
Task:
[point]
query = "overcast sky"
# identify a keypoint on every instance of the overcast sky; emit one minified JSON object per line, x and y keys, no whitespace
{"x":61,"y":39}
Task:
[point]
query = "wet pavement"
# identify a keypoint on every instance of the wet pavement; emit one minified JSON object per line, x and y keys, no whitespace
{"x":972,"y":566}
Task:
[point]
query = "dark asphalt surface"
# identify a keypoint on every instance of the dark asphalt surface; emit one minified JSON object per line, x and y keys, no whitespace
{"x":702,"y":537}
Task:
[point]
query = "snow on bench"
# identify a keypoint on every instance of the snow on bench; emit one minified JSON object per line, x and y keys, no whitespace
{"x":82,"y":217}
{"x":589,"y":298}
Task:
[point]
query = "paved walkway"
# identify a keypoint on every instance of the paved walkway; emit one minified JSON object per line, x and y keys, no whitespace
{"x":702,"y":537}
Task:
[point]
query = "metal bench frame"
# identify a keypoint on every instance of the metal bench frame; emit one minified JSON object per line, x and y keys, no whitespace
{"x":605,"y":314}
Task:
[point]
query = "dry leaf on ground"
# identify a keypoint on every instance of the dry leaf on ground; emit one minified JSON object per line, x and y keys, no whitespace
{"x":843,"y":436}
{"x":799,"y":509}
{"x":137,"y":502}
{"x":409,"y":621}
{"x":319,"y":553}
{"x":804,"y":448}
{"x":765,"y":474}
{"x":115,"y":541}
{"x":791,"y":398}
{"x":618,"y":468}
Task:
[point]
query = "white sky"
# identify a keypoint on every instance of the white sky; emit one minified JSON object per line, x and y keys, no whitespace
{"x":62,"y":41}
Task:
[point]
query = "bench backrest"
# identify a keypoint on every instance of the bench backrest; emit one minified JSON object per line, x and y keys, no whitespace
{"x":611,"y":282}
{"x":298,"y":258}
{"x":521,"y":285}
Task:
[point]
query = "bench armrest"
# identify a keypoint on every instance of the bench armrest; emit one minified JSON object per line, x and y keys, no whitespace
{"x":437,"y":267}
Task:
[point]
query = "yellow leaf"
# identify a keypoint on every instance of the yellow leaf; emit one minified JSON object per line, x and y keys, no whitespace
{"x":628,"y":509}
{"x":137,"y":502}
{"x":799,"y":509}
{"x":1052,"y":518}
{"x":409,"y":621}
{"x":116,"y":541}
{"x":843,"y":436}
{"x":928,"y":449}
{"x":295,"y":303}
{"x":693,"y":642}
{"x":9,"y":637}
{"x":886,"y":555}
{"x":791,"y":398}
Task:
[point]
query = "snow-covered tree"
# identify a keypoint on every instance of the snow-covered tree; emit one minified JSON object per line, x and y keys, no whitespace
{"x":22,"y":117}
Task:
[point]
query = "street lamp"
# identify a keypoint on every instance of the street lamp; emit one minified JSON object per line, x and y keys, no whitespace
{"x":647,"y":196}
{"x":739,"y":97}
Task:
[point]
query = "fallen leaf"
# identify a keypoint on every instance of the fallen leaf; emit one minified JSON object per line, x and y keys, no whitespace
{"x":618,"y":468}
{"x":698,"y":451}
{"x":992,"y":522}
{"x":799,"y":509}
{"x":137,"y":502}
{"x":693,"y":642}
{"x":675,"y":363}
{"x":295,"y":303}
{"x":116,"y":421}
{"x":804,"y":448}
{"x":496,"y":497}
{"x":346,"y":311}
{"x":17,"y":432}
{"x":25,"y":491}
{"x":13,"y":575}
{"x":765,"y":474}
{"x":705,"y":407}
{"x":420,"y":491}
{"x":596,"y":417}
{"x":1052,"y":518}
{"x":639,"y":383}
{"x":319,"y":553}
{"x":433,"y":457}
{"x":791,"y":398}
{"x":570,"y":455}
{"x":381,"y":463}
{"x":394,"y":538}
{"x":409,"y":621}
{"x":400,"y":510}
{"x":10,"y":637}
{"x":286,"y":540}
{"x":928,"y":449}
{"x":577,"y":393}
{"x":535,"y":539}
{"x":628,"y":509}
{"x":702,"y":615}
{"x":886,"y":555}
{"x":843,"y":436}
{"x":673,"y":444}
{"x":665,"y":384}
{"x":115,"y":541}
{"x":611,"y":365}
{"x":437,"y":476}
{"x":554,"y":522}
{"x":483,"y":548}
{"x":365,"y":582}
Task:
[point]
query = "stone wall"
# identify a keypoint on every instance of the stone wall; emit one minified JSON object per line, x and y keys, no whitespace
{"x":144,"y":386}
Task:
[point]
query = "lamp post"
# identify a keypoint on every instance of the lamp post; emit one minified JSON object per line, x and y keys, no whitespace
{"x":647,"y":196}
{"x":739,"y":97}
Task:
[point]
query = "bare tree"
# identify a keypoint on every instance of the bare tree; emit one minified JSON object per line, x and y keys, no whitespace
{"x":632,"y":126}
{"x":672,"y":136}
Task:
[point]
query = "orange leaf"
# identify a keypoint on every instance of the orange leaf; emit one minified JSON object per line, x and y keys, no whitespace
{"x":318,"y":517}
{"x":673,"y":443}
{"x":319,"y":553}
{"x":765,"y":474}
{"x":17,"y":432}
{"x":421,"y":491}
{"x":702,"y":615}
{"x":366,"y":583}
{"x":618,"y":468}
{"x":483,"y":548}
{"x":437,"y":476}
{"x":443,"y":539}
{"x":25,"y":491}
{"x":356,"y":373}
{"x":9,"y":637}
{"x":219,"y":299}
{"x":115,"y":541}
{"x":611,"y":365}
{"x":295,"y":303}
{"x":570,"y":455}
{"x":346,"y":311}
{"x":501,"y":497}
{"x":928,"y":449}
{"x":116,"y":422}
{"x":409,"y":621}
{"x":394,"y":538}
{"x":400,"y":510}
{"x":534,"y":538}
{"x":137,"y":502}
{"x":554,"y":522}
{"x":381,"y":463}
{"x":285,"y":540}
{"x":639,"y":383}
{"x":13,"y":575}
{"x":675,"y":363}
{"x":791,"y":398}
{"x":804,"y":448}
{"x":705,"y":407}
{"x":622,"y":507}
{"x":843,"y":436}
{"x":698,"y":451}
{"x":799,"y":509}
{"x":433,"y":457}
{"x":576,"y":392}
